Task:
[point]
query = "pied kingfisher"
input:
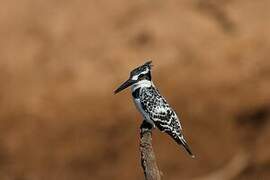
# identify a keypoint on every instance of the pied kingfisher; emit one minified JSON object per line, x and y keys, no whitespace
{"x":153,"y":107}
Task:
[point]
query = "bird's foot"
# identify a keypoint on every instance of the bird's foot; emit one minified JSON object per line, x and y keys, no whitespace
{"x":146,"y":126}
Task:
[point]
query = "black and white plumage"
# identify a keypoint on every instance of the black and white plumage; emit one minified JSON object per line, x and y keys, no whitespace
{"x":152,"y":105}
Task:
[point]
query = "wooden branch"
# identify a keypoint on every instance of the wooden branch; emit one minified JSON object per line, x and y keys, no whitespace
{"x":148,"y":159}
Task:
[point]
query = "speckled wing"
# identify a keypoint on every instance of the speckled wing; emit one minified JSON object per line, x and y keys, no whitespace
{"x":159,"y":111}
{"x":162,"y":115}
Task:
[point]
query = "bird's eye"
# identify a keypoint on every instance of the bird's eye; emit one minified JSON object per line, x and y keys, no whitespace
{"x":140,"y":76}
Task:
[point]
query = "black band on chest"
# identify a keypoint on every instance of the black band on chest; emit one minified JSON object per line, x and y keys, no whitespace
{"x":136,"y":93}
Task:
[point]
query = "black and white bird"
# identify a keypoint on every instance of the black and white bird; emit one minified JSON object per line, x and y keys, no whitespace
{"x":153,"y":107}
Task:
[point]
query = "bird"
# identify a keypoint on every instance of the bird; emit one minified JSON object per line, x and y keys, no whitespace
{"x":152,"y":105}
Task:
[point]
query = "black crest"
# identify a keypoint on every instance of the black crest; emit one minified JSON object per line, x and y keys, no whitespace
{"x":144,"y":67}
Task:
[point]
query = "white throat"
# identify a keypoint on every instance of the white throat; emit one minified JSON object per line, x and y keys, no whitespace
{"x":140,"y":84}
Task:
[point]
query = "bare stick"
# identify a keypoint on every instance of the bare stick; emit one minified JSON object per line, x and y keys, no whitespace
{"x":148,"y":159}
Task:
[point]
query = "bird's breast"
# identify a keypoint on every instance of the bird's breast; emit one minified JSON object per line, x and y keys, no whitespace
{"x":136,"y":93}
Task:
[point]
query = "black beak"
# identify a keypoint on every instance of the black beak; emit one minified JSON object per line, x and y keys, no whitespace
{"x":126,"y":84}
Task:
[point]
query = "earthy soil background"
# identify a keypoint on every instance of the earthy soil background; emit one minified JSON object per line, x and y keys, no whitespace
{"x":61,"y":60}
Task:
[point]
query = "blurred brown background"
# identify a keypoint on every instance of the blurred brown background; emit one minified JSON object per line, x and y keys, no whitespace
{"x":61,"y":60}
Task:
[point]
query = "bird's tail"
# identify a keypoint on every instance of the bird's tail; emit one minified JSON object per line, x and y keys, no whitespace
{"x":180,"y":140}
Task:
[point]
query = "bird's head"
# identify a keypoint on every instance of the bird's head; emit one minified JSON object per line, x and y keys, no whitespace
{"x":140,"y":73}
